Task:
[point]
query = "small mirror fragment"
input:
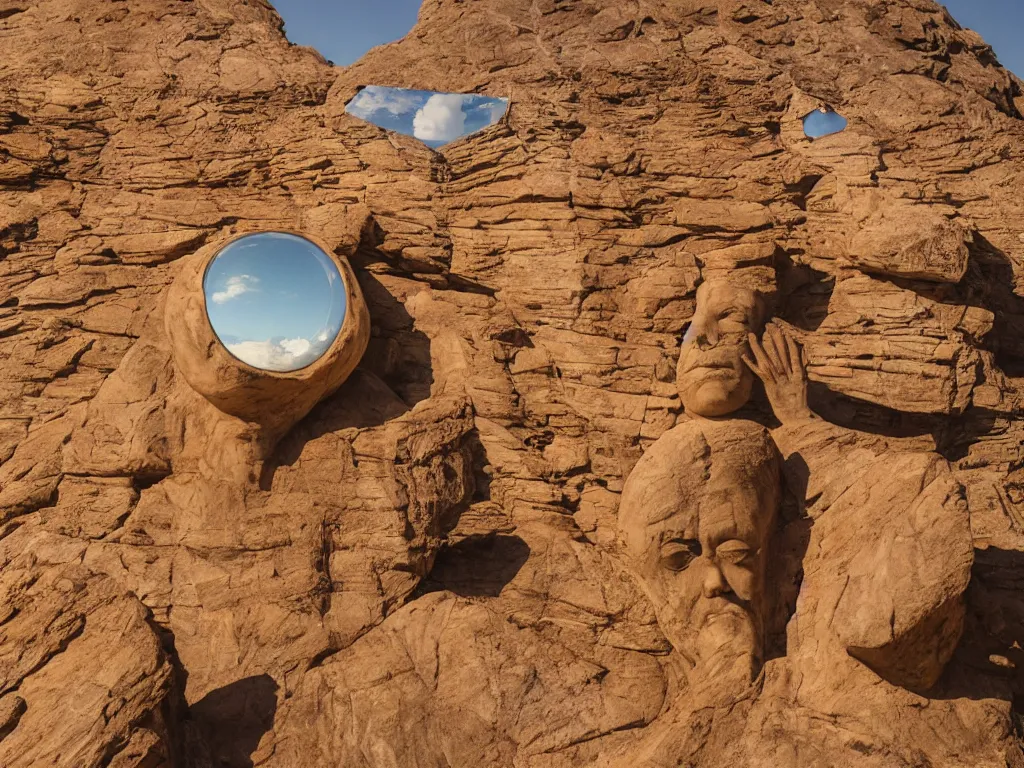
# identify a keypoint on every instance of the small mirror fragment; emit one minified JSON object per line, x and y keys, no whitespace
{"x":823,"y":122}
{"x":275,"y":300}
{"x":434,"y":118}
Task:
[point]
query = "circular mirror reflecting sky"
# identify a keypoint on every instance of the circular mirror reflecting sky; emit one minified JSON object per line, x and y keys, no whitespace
{"x":275,"y":300}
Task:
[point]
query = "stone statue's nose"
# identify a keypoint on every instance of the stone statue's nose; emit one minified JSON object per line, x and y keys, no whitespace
{"x":715,"y":584}
{"x":708,"y":336}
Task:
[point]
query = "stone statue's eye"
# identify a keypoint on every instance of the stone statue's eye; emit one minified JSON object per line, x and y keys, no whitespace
{"x":677,"y":554}
{"x":735,"y":552}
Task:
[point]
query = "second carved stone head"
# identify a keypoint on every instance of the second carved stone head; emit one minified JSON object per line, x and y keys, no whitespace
{"x":695,"y":520}
{"x":711,"y":375}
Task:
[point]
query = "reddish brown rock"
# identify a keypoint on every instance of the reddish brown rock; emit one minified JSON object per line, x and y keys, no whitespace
{"x":425,"y":569}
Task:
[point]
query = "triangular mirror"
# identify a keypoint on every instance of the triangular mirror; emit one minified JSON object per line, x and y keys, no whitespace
{"x":434,"y":118}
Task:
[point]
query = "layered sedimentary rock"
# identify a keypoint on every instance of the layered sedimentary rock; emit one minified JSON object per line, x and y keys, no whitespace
{"x":427,"y":569}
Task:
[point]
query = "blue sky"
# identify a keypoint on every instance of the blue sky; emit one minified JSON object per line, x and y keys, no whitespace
{"x":276,"y":301}
{"x":343,"y":30}
{"x":821,"y":123}
{"x":1000,"y":22}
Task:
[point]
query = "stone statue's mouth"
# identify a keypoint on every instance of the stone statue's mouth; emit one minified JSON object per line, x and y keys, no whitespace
{"x":725,"y":608}
{"x":730,"y":614}
{"x":717,"y":362}
{"x":712,"y":367}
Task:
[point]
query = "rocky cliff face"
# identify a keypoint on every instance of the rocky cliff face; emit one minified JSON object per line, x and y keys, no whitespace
{"x":426,"y":570}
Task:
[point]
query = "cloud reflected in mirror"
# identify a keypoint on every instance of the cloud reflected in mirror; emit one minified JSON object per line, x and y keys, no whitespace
{"x":275,"y":300}
{"x":434,"y":118}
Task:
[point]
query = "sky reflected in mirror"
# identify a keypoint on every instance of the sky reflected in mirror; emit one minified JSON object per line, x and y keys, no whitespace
{"x":275,"y":300}
{"x":823,"y":122}
{"x":434,"y":118}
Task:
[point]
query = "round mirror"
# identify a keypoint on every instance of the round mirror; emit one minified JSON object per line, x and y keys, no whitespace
{"x":275,"y":300}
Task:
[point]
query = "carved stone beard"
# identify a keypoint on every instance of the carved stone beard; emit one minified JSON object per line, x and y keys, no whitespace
{"x":727,"y":649}
{"x":720,"y":641}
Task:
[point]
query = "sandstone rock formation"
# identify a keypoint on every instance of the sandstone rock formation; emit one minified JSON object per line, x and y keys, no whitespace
{"x":426,"y":569}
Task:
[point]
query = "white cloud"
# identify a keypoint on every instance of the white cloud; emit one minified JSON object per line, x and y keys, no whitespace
{"x":441,"y":118}
{"x":235,"y":286}
{"x":375,"y":98}
{"x":296,"y":347}
{"x":497,"y":109}
{"x":284,"y":355}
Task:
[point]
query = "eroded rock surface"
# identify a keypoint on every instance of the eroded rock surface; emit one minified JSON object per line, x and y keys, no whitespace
{"x":426,"y":569}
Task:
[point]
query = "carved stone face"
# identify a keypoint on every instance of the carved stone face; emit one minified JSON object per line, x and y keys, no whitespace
{"x":711,"y":376}
{"x":696,"y":517}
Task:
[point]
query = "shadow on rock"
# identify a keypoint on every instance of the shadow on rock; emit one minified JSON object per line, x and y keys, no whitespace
{"x":398,"y":353}
{"x":477,"y":566}
{"x":395,"y":374}
{"x":229,"y":722}
{"x":989,"y":661}
{"x":990,"y":283}
{"x":875,"y":419}
{"x":806,"y":293}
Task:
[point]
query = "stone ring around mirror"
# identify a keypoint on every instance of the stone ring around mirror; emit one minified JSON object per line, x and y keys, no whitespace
{"x":266,"y":324}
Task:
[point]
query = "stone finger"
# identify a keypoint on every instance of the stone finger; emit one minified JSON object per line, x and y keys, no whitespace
{"x":780,"y":355}
{"x":796,"y":356}
{"x":765,"y":370}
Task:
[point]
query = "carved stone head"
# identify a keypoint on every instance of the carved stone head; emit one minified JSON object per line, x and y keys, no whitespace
{"x":695,"y":519}
{"x":711,"y":376}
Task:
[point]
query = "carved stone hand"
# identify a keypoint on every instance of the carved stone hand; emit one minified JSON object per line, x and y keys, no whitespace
{"x":779,"y":363}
